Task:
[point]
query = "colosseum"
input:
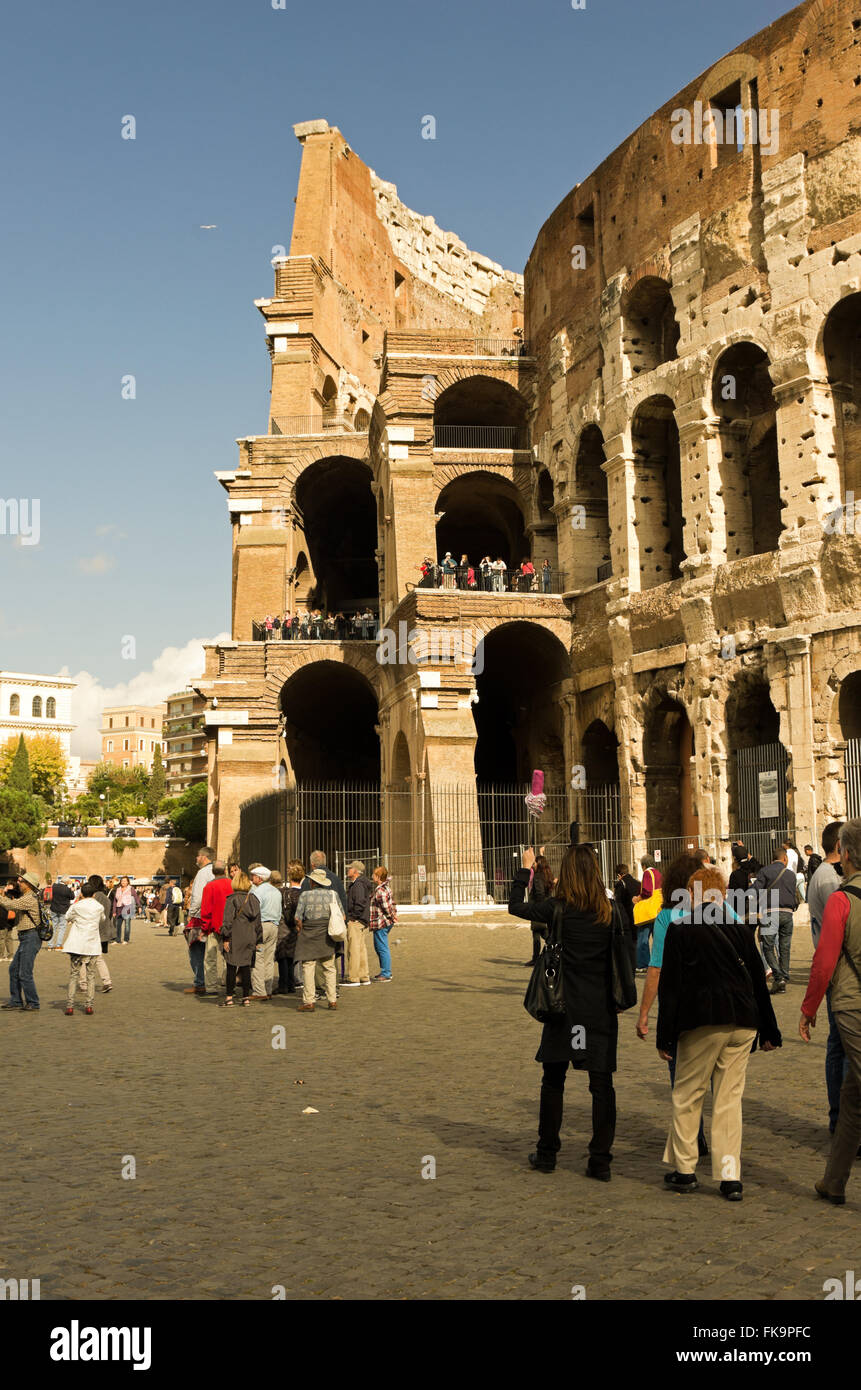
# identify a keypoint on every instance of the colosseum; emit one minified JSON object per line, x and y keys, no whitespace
{"x":653,"y":434}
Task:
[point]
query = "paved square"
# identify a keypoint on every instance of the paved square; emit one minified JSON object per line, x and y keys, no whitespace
{"x":237,"y":1191}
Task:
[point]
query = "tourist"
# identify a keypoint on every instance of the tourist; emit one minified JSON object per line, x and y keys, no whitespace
{"x":586,"y":1037}
{"x":650,"y":888}
{"x":527,"y":574}
{"x":214,"y":896}
{"x":241,"y":936}
{"x":485,"y":570}
{"x":625,"y":889}
{"x":813,"y":861}
{"x":285,"y":948}
{"x":100,"y":896}
{"x":192,"y":931}
{"x":359,"y":892}
{"x":270,"y":915}
{"x":540,"y":887}
{"x":7,"y":933}
{"x":791,"y":855}
{"x":837,"y":966}
{"x":703,"y":858}
{"x":384,"y":915}
{"x":825,"y":881}
{"x":317,"y":860}
{"x":83,"y":944}
{"x":713,"y":1005}
{"x":745,"y":868}
{"x":448,"y":570}
{"x":499,"y":570}
{"x":317,"y":906}
{"x":22,"y":986}
{"x":775,"y":926}
{"x":174,"y":903}
{"x":546,"y":577}
{"x":268,"y":624}
{"x":126,"y":904}
{"x":62,"y":897}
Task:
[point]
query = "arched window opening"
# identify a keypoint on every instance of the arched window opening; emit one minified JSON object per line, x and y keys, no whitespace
{"x":518,"y":718}
{"x":480,"y":413}
{"x":842,"y":347}
{"x":757,"y":766}
{"x":849,"y":706}
{"x":330,"y":399}
{"x":37,"y":707}
{"x":51,"y":708}
{"x":668,"y":747}
{"x":15,"y":704}
{"x":479,"y":514}
{"x":591,"y":519}
{"x":649,"y":325}
{"x":330,"y":730}
{"x":658,"y":507}
{"x":743,"y":400}
{"x":339,"y":517}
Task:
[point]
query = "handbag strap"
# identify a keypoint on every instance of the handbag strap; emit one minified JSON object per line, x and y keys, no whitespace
{"x":856,"y":893}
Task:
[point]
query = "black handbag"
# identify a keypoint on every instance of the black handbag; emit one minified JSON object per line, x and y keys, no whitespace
{"x":623,"y":988}
{"x":545,"y":994}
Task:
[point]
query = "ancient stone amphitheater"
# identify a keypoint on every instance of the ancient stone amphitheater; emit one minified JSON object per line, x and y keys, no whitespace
{"x":661,"y":415}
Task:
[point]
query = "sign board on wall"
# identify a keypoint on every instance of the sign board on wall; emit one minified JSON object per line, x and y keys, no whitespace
{"x":769,"y":800}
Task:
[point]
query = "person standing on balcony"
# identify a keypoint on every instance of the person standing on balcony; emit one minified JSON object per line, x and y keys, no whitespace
{"x":449,"y":571}
{"x":546,"y":577}
{"x":499,"y":569}
{"x":527,"y":572}
{"x":485,"y":570}
{"x":268,"y":624}
{"x":463,"y":572}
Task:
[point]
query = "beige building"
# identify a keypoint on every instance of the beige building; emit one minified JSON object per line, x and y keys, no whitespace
{"x":131,"y":734}
{"x":184,"y":741}
{"x":663,"y":416}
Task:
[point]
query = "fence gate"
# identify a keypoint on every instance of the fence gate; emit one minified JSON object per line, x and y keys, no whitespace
{"x":852,"y":763}
{"x":601,"y":825}
{"x":761,"y":797}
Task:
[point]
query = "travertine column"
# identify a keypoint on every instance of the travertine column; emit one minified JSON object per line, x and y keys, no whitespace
{"x":790,"y":679}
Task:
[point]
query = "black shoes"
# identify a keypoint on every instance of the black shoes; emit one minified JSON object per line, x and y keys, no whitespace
{"x":779,"y":988}
{"x":541,"y":1165}
{"x":599,"y":1174}
{"x":681,"y":1182}
{"x":837,"y":1200}
{"x":732,"y":1191}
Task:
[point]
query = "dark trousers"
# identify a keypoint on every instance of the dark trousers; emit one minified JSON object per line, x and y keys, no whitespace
{"x":172,"y":918}
{"x":285,"y":975}
{"x":244,"y":972}
{"x":603,"y":1115}
{"x":836,"y":1065}
{"x":536,"y":946}
{"x":847,"y":1135}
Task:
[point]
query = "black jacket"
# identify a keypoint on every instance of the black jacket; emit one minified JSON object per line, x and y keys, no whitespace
{"x":62,"y":898}
{"x":781,"y":879}
{"x":586,"y":971}
{"x":625,"y":890}
{"x":359,"y":894}
{"x":712,"y":975}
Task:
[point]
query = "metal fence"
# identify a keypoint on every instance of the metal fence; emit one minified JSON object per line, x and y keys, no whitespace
{"x":761,"y":797}
{"x":852,"y":764}
{"x":508,"y":581}
{"x":456,"y":844}
{"x":351,"y":628}
{"x":312,"y":424}
{"x":480,"y":437}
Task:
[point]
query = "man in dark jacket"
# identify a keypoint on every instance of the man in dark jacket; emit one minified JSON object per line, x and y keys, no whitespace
{"x":625,"y":889}
{"x":61,"y":900}
{"x":776,"y":888}
{"x":359,"y":894}
{"x":317,"y":860}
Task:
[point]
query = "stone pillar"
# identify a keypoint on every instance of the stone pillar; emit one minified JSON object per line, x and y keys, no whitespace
{"x":457,"y":874}
{"x":621,"y":491}
{"x":810,"y":482}
{"x":789,"y":674}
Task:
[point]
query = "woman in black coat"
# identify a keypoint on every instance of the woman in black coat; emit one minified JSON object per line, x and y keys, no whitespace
{"x":540,"y":889}
{"x":241,"y":934}
{"x":586,"y":1038}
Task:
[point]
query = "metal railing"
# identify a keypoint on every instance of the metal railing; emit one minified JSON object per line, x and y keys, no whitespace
{"x":605,"y":571}
{"x":507,"y":581}
{"x":349,"y":629}
{"x":852,"y":764}
{"x":480,"y":437}
{"x":312,"y":424}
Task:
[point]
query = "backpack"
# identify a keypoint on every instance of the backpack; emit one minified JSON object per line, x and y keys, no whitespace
{"x":46,"y":924}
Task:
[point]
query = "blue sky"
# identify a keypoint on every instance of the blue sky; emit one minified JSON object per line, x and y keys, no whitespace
{"x":105,"y":271}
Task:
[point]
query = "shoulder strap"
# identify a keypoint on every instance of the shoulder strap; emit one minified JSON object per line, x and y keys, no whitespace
{"x":856,"y":893}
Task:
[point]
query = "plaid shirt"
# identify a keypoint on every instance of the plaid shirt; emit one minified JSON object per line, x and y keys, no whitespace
{"x":383,"y":910}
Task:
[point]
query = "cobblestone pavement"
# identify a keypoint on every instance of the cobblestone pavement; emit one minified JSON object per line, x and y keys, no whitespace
{"x":237,"y":1191}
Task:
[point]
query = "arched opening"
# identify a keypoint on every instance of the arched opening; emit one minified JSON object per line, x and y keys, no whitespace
{"x":301,"y":583}
{"x":757,"y":765}
{"x":339,"y":517}
{"x":599,"y":805}
{"x":362,"y":422}
{"x":330,"y":714}
{"x":842,"y":347}
{"x":37,"y":707}
{"x":591,"y":518}
{"x":544,"y":496}
{"x":743,"y":400}
{"x":398,"y":839}
{"x":15,"y":704}
{"x":480,"y":413}
{"x":649,"y":324}
{"x":518,"y":717}
{"x":329,"y":396}
{"x":50,"y":708}
{"x":668,"y":748}
{"x":658,"y":514}
{"x":480,"y":515}
{"x":849,"y":706}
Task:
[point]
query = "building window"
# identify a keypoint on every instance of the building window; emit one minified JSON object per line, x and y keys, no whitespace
{"x":51,"y":708}
{"x":125,"y":762}
{"x":15,"y":704}
{"x":110,"y":745}
{"x":110,"y":723}
{"x":141,"y":744}
{"x":125,"y":749}
{"x":37,"y":706}
{"x":127,"y":721}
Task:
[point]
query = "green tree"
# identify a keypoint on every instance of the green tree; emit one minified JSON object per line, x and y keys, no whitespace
{"x":155,"y":790}
{"x":18,"y":776}
{"x":48,"y":766}
{"x":187,"y":812}
{"x":22,"y":820}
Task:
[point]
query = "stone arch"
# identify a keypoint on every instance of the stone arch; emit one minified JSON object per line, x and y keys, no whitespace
{"x":827,"y":707}
{"x":519,"y":721}
{"x":668,"y":751}
{"x":480,"y":410}
{"x":290,"y":662}
{"x":348,"y":446}
{"x":736,"y":67}
{"x":335,"y":506}
{"x":840,"y":352}
{"x":481,"y":513}
{"x":743,"y":403}
{"x":590,"y":520}
{"x":330,"y":714}
{"x":650,"y":331}
{"x":658,"y":501}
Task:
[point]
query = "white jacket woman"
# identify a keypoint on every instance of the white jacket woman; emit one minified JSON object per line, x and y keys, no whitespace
{"x":83,"y":944}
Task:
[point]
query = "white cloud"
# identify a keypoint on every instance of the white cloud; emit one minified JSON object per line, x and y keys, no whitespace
{"x":171,"y":671}
{"x":96,"y":564}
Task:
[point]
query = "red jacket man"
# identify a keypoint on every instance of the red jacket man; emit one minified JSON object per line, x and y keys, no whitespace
{"x":215,"y":895}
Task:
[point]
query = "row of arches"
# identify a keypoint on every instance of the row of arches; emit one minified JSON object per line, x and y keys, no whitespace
{"x":35,"y":706}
